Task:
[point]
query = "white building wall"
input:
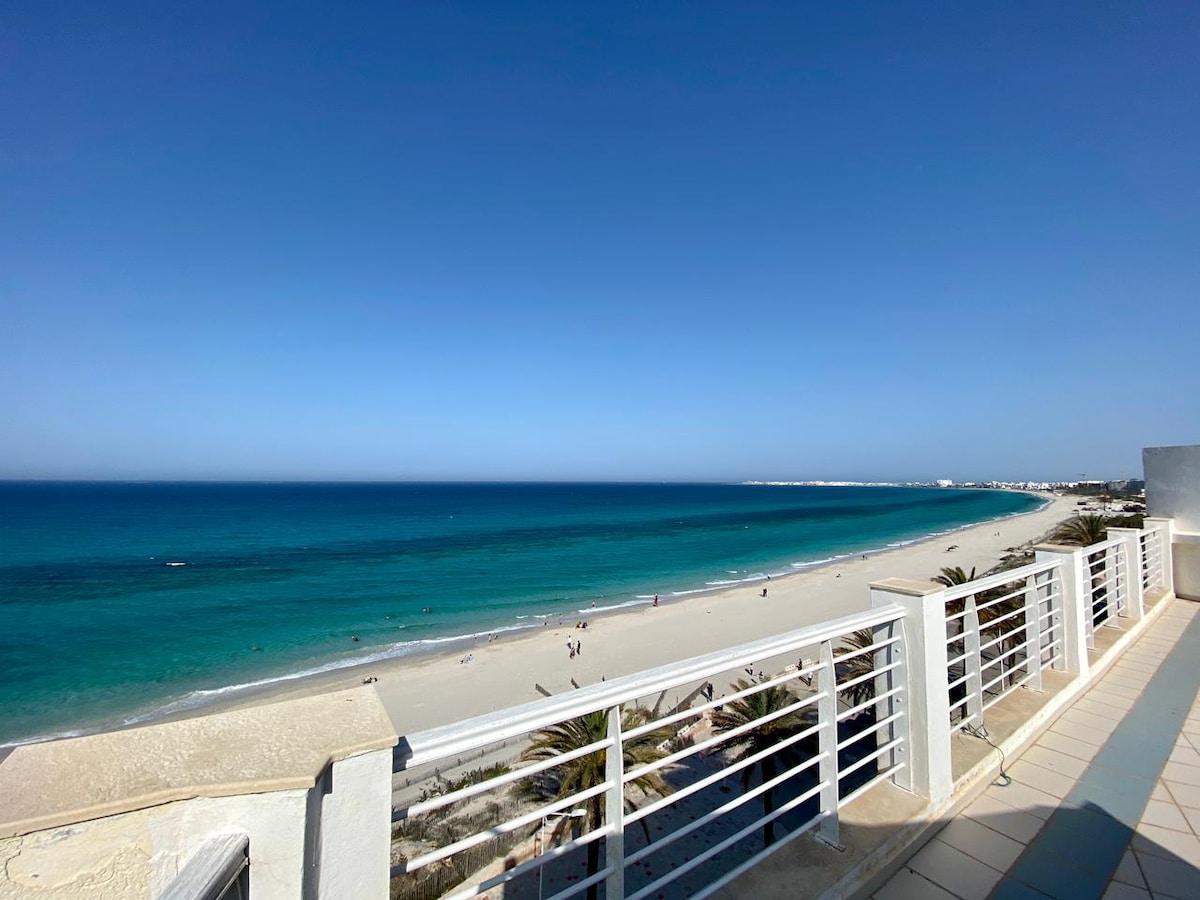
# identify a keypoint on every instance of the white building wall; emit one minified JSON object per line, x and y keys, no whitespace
{"x":1173,"y":491}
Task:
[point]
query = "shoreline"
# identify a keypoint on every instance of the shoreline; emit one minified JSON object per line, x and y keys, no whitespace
{"x":435,"y":687}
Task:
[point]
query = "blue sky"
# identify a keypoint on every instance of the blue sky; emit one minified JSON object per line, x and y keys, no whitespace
{"x":606,"y":241}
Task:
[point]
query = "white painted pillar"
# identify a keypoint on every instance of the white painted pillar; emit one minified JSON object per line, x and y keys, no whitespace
{"x":1073,"y":604}
{"x":1168,"y":566}
{"x":355,"y":839}
{"x":1033,"y":634}
{"x":827,"y":737}
{"x":614,"y":807}
{"x":1132,"y":570}
{"x":928,"y":708}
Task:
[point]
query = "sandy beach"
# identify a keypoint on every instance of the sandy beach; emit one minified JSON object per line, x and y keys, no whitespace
{"x":436,"y":689}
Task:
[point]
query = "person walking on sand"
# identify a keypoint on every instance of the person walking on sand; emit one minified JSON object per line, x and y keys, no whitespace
{"x":656,"y":599}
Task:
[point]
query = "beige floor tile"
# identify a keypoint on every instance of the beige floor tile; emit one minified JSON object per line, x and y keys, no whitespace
{"x":1124,"y":682}
{"x":1025,"y":797}
{"x":908,"y":885}
{"x":1150,"y":839}
{"x":1129,"y":872}
{"x":1174,"y":772}
{"x":1100,"y":709}
{"x":1086,"y":730}
{"x":1170,"y":878}
{"x":1165,"y":815}
{"x":1111,"y":701}
{"x":1185,"y":794}
{"x":1118,"y":891}
{"x":1193,"y":818}
{"x":1008,"y":820}
{"x":1055,"y":761}
{"x":981,"y":842}
{"x":1112,"y":686}
{"x":950,"y":868}
{"x":1055,"y":784}
{"x":1060,"y":743}
{"x":1185,"y":755}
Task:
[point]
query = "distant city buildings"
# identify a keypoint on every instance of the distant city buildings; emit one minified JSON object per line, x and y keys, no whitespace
{"x":1121,"y":486}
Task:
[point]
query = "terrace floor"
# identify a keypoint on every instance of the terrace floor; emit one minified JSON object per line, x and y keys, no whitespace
{"x":1104,"y":804}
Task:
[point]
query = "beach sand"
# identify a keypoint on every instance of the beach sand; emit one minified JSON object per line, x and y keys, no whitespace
{"x":436,"y":689}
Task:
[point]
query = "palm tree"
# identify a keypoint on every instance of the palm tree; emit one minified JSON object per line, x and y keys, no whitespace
{"x":1085,"y":531}
{"x":589,"y":771}
{"x":1082,"y":530}
{"x":861,"y":665}
{"x":953,"y":576}
{"x":767,"y":735}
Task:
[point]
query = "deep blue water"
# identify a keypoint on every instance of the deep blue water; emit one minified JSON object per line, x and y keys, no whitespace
{"x":97,"y":627}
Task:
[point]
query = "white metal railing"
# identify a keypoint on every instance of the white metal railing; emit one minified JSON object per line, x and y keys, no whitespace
{"x":218,"y":871}
{"x":1150,"y":543}
{"x":1106,"y":585}
{"x":819,"y":733}
{"x":1001,"y":632}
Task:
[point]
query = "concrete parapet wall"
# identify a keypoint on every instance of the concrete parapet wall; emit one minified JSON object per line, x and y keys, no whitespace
{"x":119,"y":815}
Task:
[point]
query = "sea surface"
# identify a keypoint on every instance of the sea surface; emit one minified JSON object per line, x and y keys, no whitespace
{"x":122,"y":602}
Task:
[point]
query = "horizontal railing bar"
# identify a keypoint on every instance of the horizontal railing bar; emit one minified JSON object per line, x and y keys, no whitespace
{"x":874,"y":673}
{"x":504,"y":828}
{"x":701,"y":858}
{"x":580,"y":886}
{"x":958,"y":703}
{"x":1004,"y":598}
{"x":462,"y":737}
{"x":1006,"y":654}
{"x":723,"y":773}
{"x":870,"y":757}
{"x":713,"y":814}
{"x":957,"y":681}
{"x":862,"y":789}
{"x":1012,"y":687}
{"x":979,"y":585}
{"x":691,"y":712}
{"x":999,"y":620}
{"x":722,"y":737}
{"x":878,"y":645}
{"x":530,"y":865}
{"x":855,"y":710}
{"x":867,"y":732}
{"x":482,"y":787}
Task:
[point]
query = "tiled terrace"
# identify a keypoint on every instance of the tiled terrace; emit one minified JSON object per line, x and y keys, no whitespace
{"x":1104,"y":804}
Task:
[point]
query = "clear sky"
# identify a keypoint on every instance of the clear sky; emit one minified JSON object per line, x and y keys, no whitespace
{"x":682,"y":241}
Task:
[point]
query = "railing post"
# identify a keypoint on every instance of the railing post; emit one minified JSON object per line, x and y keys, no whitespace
{"x":1166,"y":527}
{"x":928,"y":707}
{"x":885,"y":708}
{"x":1074,"y":604}
{"x":972,"y":664}
{"x":1033,"y":634}
{"x":614,"y":812}
{"x":1132,"y":567}
{"x":827,"y":738}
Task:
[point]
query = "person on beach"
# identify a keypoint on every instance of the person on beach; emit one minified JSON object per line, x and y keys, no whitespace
{"x":656,"y":599}
{"x":764,"y":593}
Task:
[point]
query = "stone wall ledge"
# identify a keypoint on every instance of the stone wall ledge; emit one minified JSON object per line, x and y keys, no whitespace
{"x":259,"y":749}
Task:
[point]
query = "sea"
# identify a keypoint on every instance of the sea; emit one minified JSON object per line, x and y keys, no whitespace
{"x":122,"y":603}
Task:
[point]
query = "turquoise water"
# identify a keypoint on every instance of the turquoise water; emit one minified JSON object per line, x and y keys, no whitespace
{"x":121,"y":601}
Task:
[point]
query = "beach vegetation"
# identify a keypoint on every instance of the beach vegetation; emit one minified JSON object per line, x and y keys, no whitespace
{"x":857,"y":666}
{"x":588,"y":771}
{"x":953,"y":575}
{"x":1082,"y":531}
{"x":763,"y":737}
